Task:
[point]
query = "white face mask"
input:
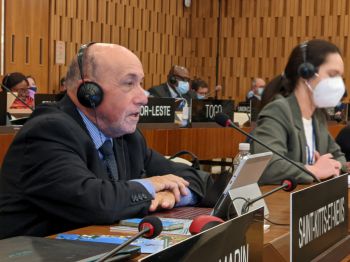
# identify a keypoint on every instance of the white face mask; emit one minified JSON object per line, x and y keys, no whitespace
{"x":328,"y":92}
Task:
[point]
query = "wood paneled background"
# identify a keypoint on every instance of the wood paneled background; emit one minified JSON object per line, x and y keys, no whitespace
{"x":223,"y":41}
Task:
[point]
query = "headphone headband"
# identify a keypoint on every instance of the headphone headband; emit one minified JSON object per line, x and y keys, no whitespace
{"x":80,"y":57}
{"x":306,"y":70}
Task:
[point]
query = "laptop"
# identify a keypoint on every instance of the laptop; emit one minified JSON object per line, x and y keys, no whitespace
{"x":245,"y":177}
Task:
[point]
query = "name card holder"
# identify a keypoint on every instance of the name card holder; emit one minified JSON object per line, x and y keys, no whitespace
{"x":238,"y":239}
{"x":204,"y":110}
{"x":319,"y":222}
{"x":158,"y":110}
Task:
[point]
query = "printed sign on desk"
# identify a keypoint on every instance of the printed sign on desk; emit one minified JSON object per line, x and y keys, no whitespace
{"x":239,"y":239}
{"x":158,"y":110}
{"x":204,"y":110}
{"x":319,"y":218}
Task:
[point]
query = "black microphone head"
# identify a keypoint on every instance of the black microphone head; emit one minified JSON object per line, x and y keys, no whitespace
{"x":290,"y":184}
{"x":154,"y":224}
{"x":222,"y":119}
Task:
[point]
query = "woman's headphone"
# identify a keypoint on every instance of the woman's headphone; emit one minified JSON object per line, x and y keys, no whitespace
{"x":89,"y":94}
{"x":306,"y":70}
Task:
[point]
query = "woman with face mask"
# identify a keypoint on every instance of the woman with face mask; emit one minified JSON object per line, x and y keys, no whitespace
{"x":293,"y":121}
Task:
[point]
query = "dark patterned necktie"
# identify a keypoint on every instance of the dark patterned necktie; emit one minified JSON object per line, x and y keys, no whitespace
{"x":108,"y":157}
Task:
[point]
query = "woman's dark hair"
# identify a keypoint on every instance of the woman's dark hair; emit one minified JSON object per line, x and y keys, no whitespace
{"x":197,"y":83}
{"x":12,"y":79}
{"x":316,"y":52}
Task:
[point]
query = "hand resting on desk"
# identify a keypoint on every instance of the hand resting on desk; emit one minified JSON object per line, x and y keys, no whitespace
{"x":162,"y":200}
{"x":177,"y":185}
{"x":325,"y":166}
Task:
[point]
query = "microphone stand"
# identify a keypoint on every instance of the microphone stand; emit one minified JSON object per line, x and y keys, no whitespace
{"x":229,"y":122}
{"x":246,"y":205}
{"x":121,"y":246}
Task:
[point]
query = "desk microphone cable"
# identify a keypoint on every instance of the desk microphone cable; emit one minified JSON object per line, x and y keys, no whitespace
{"x":246,"y":200}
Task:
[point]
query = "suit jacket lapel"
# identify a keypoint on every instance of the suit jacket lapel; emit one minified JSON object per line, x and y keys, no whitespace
{"x":296,"y":119}
{"x":66,"y":105}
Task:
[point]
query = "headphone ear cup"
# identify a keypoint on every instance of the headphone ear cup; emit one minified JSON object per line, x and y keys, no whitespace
{"x":306,"y":70}
{"x":172,"y":80}
{"x":90,"y":94}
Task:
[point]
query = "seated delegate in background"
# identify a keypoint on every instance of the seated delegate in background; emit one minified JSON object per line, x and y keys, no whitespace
{"x":340,"y":109}
{"x":257,"y":89}
{"x":17,"y":83}
{"x":177,"y":85}
{"x":32,"y":87}
{"x":254,"y":97}
{"x":81,"y":161}
{"x":200,"y":87}
{"x":343,"y":140}
{"x":294,"y":124}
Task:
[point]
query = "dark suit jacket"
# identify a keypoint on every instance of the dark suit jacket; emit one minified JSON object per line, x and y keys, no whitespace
{"x":163,"y":91}
{"x":53,"y":180}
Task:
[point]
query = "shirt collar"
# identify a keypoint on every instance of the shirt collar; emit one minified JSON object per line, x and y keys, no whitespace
{"x":96,"y":135}
{"x":172,"y":92}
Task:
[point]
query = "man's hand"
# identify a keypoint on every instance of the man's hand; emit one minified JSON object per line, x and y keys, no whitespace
{"x":162,"y":200}
{"x":325,"y":166}
{"x":177,"y":185}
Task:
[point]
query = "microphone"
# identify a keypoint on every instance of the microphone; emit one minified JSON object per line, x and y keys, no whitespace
{"x":224,"y":120}
{"x":204,"y":222}
{"x":288,"y":185}
{"x":149,"y":227}
{"x":216,"y":89}
{"x":17,"y":97}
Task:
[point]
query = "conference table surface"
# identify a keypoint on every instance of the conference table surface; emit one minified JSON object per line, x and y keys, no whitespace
{"x":278,"y":205}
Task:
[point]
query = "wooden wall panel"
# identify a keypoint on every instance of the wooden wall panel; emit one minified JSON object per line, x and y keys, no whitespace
{"x":156,"y":30}
{"x":254,"y":38}
{"x":27,"y":24}
{"x":263,"y":33}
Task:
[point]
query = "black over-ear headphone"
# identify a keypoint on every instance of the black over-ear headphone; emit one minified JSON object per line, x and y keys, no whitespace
{"x":172,"y":80}
{"x":306,"y":70}
{"x":89,"y":93}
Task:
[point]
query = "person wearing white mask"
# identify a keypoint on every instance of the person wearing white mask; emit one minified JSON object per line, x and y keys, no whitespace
{"x":177,"y":85}
{"x":294,"y":122}
{"x":257,"y":89}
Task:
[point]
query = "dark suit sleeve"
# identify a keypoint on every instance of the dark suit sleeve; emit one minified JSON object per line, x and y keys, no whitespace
{"x":156,"y":164}
{"x":57,"y":177}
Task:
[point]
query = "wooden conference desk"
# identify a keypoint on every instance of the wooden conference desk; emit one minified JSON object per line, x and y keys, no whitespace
{"x":205,"y":142}
{"x":278,"y":205}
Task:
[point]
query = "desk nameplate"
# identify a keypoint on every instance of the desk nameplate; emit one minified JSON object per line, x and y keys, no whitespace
{"x":239,"y":239}
{"x":158,"y":110}
{"x":319,"y":218}
{"x":204,"y":110}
